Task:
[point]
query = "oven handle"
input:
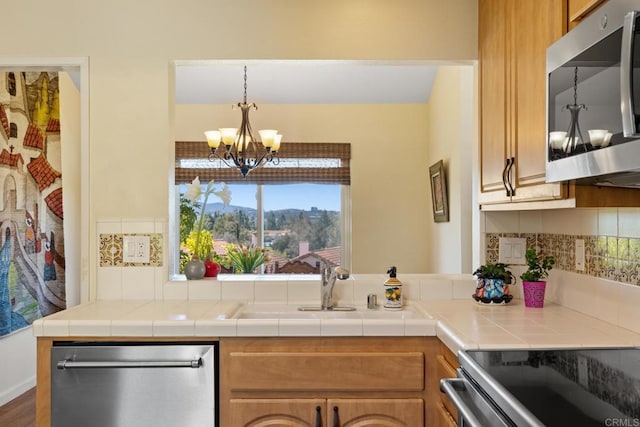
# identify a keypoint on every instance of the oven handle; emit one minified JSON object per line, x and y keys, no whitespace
{"x":69,"y":364}
{"x":626,"y":74}
{"x":447,"y":386}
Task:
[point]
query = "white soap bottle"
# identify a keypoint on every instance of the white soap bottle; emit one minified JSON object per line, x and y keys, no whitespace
{"x":392,"y":291}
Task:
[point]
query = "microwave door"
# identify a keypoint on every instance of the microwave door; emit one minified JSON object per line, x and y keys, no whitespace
{"x":630,"y":75}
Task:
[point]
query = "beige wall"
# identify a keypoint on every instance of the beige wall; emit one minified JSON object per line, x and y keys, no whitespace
{"x":450,"y":115}
{"x":389,"y":193}
{"x":130,"y":46}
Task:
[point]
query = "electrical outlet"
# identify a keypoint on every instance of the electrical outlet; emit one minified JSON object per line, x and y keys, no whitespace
{"x":580,"y":254}
{"x":136,"y":249}
{"x":511,"y":250}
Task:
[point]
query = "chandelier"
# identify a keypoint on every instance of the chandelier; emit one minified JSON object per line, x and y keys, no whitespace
{"x":240,"y":149}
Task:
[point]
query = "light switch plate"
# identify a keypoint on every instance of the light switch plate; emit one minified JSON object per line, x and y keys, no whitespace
{"x":511,"y":250}
{"x":136,"y":249}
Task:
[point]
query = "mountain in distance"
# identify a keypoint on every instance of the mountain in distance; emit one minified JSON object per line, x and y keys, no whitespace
{"x":219,"y":207}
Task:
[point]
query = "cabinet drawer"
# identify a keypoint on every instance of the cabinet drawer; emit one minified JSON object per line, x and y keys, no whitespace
{"x":450,"y":356}
{"x":324,"y":371}
{"x":445,"y":418}
{"x":445,"y":370}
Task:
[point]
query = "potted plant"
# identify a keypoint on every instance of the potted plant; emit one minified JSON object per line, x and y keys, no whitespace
{"x":199,"y":241}
{"x":533,"y":283}
{"x":246,"y":258}
{"x":492,"y":283}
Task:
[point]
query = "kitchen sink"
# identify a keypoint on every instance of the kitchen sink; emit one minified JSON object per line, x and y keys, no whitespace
{"x":292,"y":311}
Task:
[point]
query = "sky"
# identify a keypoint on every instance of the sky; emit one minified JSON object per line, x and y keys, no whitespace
{"x":299,"y":196}
{"x":276,"y":197}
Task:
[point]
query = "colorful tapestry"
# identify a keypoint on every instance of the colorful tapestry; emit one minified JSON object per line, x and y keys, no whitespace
{"x":32,"y":264}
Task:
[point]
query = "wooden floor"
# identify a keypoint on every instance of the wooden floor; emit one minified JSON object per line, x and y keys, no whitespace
{"x":20,"y":412}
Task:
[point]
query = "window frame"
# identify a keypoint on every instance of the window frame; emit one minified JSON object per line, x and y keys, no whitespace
{"x":196,"y":150}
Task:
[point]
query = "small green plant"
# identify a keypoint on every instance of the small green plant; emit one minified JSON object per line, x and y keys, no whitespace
{"x":538,"y":266}
{"x":245,"y":259}
{"x":494,"y":271}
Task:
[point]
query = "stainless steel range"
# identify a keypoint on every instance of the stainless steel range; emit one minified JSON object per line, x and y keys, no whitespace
{"x":568,"y":387}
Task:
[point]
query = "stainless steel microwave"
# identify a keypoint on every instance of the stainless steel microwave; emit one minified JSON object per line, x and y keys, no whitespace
{"x":593,"y":99}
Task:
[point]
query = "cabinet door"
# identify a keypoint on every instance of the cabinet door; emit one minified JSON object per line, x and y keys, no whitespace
{"x":492,"y":52}
{"x":536,"y":24}
{"x":277,"y":412}
{"x":375,"y":412}
{"x":445,"y":418}
{"x":580,"y":9}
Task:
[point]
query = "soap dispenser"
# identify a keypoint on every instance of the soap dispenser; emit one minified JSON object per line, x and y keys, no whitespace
{"x":392,"y":291}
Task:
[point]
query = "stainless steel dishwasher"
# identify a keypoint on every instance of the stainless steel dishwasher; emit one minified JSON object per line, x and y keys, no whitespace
{"x":133,"y":384}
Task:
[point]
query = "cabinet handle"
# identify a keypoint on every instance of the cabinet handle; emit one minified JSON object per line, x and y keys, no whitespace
{"x":318,"y":416}
{"x":512,"y":191}
{"x":504,"y":176}
{"x":336,"y":417}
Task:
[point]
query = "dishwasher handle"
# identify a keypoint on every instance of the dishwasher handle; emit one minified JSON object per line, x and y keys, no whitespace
{"x":70,"y":364}
{"x":447,"y":385}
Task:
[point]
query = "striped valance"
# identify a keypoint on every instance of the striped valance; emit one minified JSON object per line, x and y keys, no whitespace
{"x":299,"y":162}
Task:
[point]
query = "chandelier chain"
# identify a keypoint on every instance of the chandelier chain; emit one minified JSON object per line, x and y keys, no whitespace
{"x":245,"y":84}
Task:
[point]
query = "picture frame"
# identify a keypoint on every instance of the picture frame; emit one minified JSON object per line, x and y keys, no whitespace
{"x":439,"y":196}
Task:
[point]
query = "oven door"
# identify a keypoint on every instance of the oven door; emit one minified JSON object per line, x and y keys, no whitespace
{"x":474,"y":408}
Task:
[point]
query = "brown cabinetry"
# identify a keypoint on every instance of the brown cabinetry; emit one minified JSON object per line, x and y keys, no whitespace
{"x":580,"y":9}
{"x":512,"y":42}
{"x":513,"y":38}
{"x":326,"y":412}
{"x":446,"y":363}
{"x":327,"y":381}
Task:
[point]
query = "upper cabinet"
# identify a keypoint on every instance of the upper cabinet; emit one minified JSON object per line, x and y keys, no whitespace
{"x":513,"y":38}
{"x":580,"y":9}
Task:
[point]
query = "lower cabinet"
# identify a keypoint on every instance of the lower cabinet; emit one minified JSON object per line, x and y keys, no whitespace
{"x":326,"y":412}
{"x":447,"y":363}
{"x":329,"y":382}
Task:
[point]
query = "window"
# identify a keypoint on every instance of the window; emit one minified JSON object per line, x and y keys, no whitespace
{"x":298,"y":208}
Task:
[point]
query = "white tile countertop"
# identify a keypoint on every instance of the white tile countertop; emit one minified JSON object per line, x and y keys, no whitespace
{"x":458,"y":323}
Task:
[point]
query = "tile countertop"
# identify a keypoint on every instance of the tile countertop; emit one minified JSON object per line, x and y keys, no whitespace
{"x":458,"y":323}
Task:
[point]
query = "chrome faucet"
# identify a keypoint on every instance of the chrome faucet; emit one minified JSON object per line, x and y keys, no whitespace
{"x":329,"y":277}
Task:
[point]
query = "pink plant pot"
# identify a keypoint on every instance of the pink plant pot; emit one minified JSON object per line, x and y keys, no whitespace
{"x":534,"y":294}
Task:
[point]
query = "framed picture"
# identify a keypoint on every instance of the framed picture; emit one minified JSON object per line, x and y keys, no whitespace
{"x":439,"y":195}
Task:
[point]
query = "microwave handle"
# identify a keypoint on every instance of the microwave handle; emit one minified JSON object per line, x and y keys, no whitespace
{"x":626,"y":74}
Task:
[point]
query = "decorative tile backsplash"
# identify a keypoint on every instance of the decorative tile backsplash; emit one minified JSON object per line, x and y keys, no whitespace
{"x":111,"y":247}
{"x":606,"y":257}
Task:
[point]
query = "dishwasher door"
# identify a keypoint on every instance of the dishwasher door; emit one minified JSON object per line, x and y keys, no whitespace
{"x":109,"y":385}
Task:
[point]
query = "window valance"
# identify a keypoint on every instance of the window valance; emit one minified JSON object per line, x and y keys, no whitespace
{"x":299,"y":162}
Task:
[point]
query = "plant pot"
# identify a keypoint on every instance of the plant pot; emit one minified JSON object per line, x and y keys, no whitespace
{"x":492,"y":291}
{"x":211,"y":268}
{"x":534,"y":294}
{"x":194,"y":269}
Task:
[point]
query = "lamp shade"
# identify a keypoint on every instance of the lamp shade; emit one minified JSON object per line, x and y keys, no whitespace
{"x":276,"y":142}
{"x":268,"y":136}
{"x":213,"y":138}
{"x":228,"y":135}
